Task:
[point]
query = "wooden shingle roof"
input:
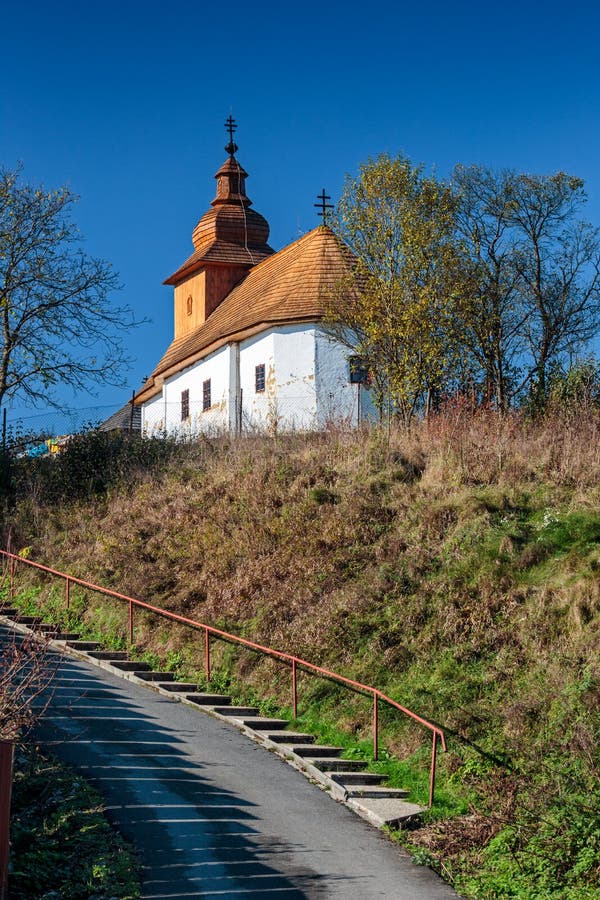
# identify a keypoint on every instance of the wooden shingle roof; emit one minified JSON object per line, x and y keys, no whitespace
{"x":289,"y":286}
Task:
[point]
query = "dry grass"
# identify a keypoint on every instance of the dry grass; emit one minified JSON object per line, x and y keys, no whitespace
{"x":455,"y":565}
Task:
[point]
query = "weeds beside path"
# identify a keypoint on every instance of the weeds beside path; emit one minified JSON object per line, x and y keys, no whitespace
{"x":62,"y":844}
{"x":455,"y":565}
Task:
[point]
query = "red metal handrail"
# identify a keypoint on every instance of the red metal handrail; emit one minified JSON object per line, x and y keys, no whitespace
{"x":294,"y":661}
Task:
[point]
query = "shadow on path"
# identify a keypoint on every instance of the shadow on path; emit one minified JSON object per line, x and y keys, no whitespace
{"x":210,"y":812}
{"x":196,"y":838}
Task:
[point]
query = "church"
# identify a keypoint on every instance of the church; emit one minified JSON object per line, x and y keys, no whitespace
{"x":249,"y":352}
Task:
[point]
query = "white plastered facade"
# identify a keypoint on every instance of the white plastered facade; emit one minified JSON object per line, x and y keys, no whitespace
{"x":306,"y":387}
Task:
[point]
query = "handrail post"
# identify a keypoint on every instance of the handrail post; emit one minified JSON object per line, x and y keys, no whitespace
{"x":6,"y":769}
{"x":207,"y":653}
{"x":433,"y":761}
{"x":375,"y":727}
{"x":294,"y":689}
{"x":437,"y":732}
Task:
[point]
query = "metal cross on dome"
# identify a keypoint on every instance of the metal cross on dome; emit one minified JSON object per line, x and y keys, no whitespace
{"x":231,"y":126}
{"x":323,"y":205}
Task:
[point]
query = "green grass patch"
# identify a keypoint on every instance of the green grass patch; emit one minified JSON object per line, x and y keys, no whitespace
{"x":62,"y":845}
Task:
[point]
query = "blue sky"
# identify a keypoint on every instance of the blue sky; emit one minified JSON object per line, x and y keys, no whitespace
{"x":125,"y":103}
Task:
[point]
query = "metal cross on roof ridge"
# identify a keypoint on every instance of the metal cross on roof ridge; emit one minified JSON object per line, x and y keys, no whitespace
{"x":231,"y":126}
{"x":323,"y":205}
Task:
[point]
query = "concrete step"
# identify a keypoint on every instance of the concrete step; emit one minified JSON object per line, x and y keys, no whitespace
{"x":316,"y":752}
{"x":177,"y":687}
{"x":108,"y":654}
{"x":156,"y":676}
{"x":392,"y":812}
{"x":262,"y":723}
{"x":7,"y":610}
{"x":65,"y":636}
{"x":357,"y":778}
{"x":84,"y":645}
{"x":331,"y":764}
{"x":208,"y":699}
{"x":130,"y":665}
{"x":28,"y":620}
{"x":239,"y":712}
{"x":49,"y":627}
{"x":377,"y":791}
{"x":291,"y":737}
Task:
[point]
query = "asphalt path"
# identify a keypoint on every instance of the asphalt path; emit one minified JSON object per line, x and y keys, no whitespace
{"x":212,"y":813}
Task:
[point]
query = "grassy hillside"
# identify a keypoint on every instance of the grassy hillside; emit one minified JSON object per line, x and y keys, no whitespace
{"x":456,"y":567}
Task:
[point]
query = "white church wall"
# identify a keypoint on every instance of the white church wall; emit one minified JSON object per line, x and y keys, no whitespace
{"x":153,"y":415}
{"x":295,"y":377}
{"x":306,"y":386}
{"x":288,"y":401}
{"x":338,"y":400}
{"x":163,"y":415}
{"x":257,"y":407}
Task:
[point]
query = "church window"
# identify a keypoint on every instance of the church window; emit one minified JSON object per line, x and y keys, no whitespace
{"x":359,"y":370}
{"x":259,"y":378}
{"x":190,"y":304}
{"x":185,"y":405}
{"x":206,"y":402}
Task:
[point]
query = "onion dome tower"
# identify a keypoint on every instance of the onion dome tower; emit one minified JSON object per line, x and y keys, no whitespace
{"x":229,"y":240}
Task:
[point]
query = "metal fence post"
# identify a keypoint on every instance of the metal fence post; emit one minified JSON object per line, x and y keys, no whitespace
{"x":207,"y":653}
{"x":130,"y":622}
{"x":433,"y":761}
{"x":294,"y":689}
{"x":375,"y":727}
{"x":6,"y":768}
{"x":68,"y":592}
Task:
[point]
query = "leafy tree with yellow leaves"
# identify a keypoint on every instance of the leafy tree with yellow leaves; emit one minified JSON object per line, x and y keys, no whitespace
{"x":397,"y":310}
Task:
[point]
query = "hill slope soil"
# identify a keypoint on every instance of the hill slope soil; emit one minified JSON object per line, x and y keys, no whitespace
{"x":456,"y":567}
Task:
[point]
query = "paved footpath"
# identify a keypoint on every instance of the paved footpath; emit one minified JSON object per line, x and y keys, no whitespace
{"x":212,"y":813}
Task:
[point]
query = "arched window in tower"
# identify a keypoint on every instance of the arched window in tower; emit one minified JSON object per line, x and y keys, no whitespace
{"x":190,"y":304}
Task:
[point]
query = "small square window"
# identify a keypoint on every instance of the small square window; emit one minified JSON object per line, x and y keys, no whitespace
{"x":185,"y":405}
{"x":259,"y":378}
{"x":359,"y":370}
{"x":206,"y":401}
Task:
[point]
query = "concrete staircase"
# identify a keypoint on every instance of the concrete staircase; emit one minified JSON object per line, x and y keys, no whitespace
{"x":346,"y":779}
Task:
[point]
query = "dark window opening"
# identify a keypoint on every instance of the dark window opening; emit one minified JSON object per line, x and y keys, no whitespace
{"x":185,"y":405}
{"x":206,"y":402}
{"x":259,"y":379}
{"x":359,"y":371}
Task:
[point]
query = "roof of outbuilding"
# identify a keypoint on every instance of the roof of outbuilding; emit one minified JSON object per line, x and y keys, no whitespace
{"x":289,"y":286}
{"x":125,"y":419}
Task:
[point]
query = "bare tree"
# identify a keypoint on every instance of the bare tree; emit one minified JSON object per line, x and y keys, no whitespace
{"x":534,"y":274}
{"x":493,"y":329}
{"x":558,"y":266}
{"x":25,"y":676}
{"x":57,"y":322}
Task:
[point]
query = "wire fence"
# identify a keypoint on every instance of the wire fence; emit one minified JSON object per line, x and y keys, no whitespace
{"x":257,"y":415}
{"x":47,"y":432}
